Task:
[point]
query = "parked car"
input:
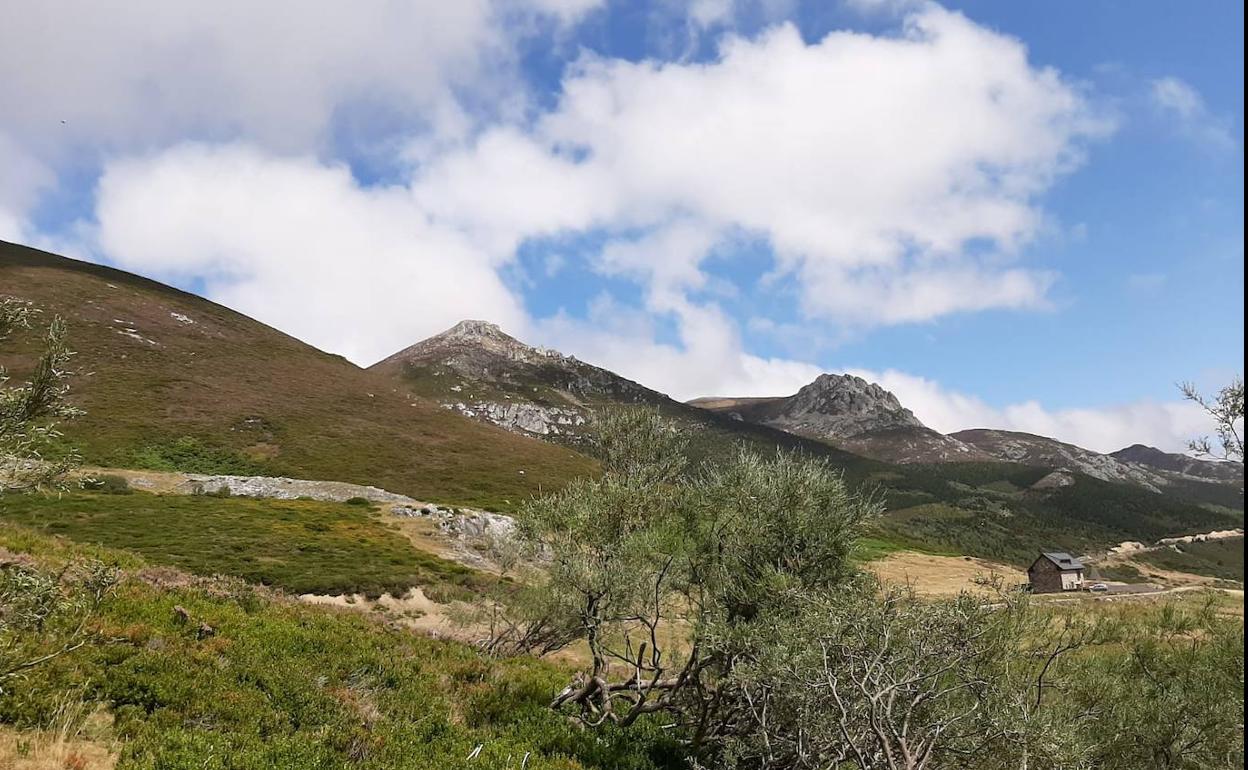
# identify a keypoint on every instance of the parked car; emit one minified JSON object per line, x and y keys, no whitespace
{"x":1098,"y":587}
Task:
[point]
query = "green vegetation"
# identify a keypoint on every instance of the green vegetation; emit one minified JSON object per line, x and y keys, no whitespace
{"x":108,"y":484}
{"x":155,"y":365}
{"x":299,"y":546}
{"x":727,"y":601}
{"x":31,"y":409}
{"x":1123,"y":573}
{"x":191,"y":455}
{"x":218,"y":675}
{"x":969,"y":513}
{"x":1215,"y":558}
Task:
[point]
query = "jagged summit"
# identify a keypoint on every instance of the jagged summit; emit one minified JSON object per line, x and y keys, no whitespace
{"x":472,"y":328}
{"x":480,"y":371}
{"x":844,"y":405}
{"x":853,"y":413}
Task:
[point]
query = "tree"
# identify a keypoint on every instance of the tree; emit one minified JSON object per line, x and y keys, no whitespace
{"x":1227,"y":410}
{"x":31,"y":410}
{"x":877,"y":677}
{"x":672,"y":573}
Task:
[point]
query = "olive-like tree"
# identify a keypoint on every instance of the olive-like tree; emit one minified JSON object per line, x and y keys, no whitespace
{"x":670,"y":574}
{"x":1226,"y":408}
{"x":31,"y":410}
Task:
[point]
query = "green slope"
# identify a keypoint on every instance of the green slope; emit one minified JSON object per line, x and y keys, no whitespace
{"x":156,"y":364}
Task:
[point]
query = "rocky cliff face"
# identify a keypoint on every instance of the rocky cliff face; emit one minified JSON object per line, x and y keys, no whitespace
{"x":852,"y":413}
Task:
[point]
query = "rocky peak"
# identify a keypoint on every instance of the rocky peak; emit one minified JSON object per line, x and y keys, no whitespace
{"x":471,"y":329}
{"x":470,"y":344}
{"x":847,"y":405}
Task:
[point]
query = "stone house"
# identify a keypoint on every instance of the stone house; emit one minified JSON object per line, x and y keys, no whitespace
{"x":1055,"y":571}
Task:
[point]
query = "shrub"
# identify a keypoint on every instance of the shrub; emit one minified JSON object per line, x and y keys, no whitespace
{"x":190,"y":455}
{"x":108,"y":484}
{"x":363,"y":502}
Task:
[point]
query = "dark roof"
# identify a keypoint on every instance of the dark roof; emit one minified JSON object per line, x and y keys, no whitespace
{"x":1063,"y":560}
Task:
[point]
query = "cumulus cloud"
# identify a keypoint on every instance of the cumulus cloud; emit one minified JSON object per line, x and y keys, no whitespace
{"x":1183,"y":103}
{"x":894,"y":178}
{"x":149,"y":71}
{"x":717,"y":364}
{"x":1167,"y":425}
{"x":298,"y":244}
{"x":887,"y":173}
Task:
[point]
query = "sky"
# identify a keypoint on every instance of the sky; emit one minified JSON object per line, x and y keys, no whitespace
{"x":1025,"y":216}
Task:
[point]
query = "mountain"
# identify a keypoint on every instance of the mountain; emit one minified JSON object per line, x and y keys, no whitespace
{"x":1041,"y":451}
{"x":851,"y":413}
{"x":1139,"y":454}
{"x":479,"y":371}
{"x":170,"y":379}
{"x":1176,"y":475}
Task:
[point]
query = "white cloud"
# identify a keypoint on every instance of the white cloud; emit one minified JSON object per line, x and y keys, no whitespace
{"x":150,"y":71}
{"x":1167,"y":425}
{"x":299,"y":245}
{"x":894,"y":176}
{"x":712,"y":361}
{"x":1180,"y":100}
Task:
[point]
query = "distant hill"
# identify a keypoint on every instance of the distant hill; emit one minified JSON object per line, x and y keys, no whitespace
{"x":157,"y":366}
{"x":170,"y":380}
{"x":1139,"y":454}
{"x":1029,"y":449}
{"x":853,"y":414}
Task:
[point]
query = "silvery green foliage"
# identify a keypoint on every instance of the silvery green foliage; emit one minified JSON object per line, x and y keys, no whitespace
{"x":31,"y":410}
{"x":44,"y":615}
{"x":1226,"y":408}
{"x":673,"y":573}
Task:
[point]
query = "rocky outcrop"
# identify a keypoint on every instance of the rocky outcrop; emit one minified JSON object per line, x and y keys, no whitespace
{"x":522,"y":418}
{"x":837,"y":406}
{"x":282,"y":488}
{"x":1055,"y":480}
{"x":852,"y":413}
{"x":476,"y":369}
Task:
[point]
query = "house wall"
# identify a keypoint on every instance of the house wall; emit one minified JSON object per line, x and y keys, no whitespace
{"x":1072,"y":580}
{"x":1045,"y":577}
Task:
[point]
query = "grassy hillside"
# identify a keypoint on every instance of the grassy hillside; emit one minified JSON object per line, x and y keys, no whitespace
{"x":989,"y":510}
{"x":158,"y":367}
{"x":1215,"y":558}
{"x":299,"y":546}
{"x":283,"y":685}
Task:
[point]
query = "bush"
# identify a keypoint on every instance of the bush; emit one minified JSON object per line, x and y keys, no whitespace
{"x":190,"y":455}
{"x":363,"y":502}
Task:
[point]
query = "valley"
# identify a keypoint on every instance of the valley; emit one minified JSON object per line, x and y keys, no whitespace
{"x":322,"y":549}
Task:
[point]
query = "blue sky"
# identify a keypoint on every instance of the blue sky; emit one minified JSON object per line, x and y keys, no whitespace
{"x":1025,"y":216}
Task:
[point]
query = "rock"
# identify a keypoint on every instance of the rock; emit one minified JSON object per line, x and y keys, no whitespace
{"x":1055,"y":480}
{"x":281,"y":488}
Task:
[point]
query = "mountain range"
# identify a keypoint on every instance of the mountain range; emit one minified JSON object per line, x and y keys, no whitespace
{"x":479,"y":371}
{"x":474,"y":416}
